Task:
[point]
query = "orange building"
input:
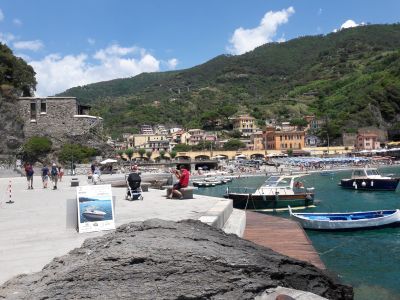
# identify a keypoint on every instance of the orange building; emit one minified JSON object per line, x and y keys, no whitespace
{"x":367,"y":141}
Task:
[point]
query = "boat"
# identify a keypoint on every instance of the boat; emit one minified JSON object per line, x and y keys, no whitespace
{"x":369,"y":179}
{"x":277,"y":192}
{"x":346,"y":221}
{"x":92,"y":214}
{"x":203,"y":183}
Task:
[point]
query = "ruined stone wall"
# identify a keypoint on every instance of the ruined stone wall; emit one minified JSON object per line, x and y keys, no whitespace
{"x":59,"y":121}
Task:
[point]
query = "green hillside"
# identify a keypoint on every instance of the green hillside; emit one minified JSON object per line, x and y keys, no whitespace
{"x":351,"y":77}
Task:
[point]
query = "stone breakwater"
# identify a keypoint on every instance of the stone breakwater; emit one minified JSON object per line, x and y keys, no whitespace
{"x":159,"y":259}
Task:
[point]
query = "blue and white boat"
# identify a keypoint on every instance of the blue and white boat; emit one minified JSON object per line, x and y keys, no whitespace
{"x":369,"y":179}
{"x":346,"y":221}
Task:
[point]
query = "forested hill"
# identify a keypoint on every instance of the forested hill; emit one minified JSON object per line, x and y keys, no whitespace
{"x":351,"y":77}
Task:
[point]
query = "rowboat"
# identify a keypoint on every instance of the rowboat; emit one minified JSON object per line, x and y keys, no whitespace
{"x":346,"y":221}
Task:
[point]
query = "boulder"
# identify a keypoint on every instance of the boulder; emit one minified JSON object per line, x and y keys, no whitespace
{"x":159,"y":259}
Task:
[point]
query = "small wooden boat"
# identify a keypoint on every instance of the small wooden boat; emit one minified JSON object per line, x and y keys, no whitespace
{"x":369,"y":179}
{"x":346,"y":221}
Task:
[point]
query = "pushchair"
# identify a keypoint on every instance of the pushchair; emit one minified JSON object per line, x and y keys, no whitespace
{"x":134,"y":191}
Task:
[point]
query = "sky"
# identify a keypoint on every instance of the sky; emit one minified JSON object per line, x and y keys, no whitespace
{"x":78,"y":42}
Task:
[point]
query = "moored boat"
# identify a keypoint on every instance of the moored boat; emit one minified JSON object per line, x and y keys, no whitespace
{"x":369,"y":179}
{"x":346,"y":221}
{"x":277,"y":192}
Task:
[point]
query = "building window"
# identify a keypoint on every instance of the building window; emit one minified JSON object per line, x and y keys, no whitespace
{"x":43,"y":107}
{"x":33,"y":111}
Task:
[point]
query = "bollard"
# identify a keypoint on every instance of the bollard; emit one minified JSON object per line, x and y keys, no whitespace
{"x":9,"y":193}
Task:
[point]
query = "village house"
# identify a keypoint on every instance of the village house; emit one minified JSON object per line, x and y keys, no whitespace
{"x":367,"y":141}
{"x":245,"y":124}
{"x":283,"y":140}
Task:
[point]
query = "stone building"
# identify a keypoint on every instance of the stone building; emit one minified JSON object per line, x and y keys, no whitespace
{"x":59,"y":118}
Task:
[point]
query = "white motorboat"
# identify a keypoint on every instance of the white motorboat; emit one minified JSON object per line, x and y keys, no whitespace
{"x":93,"y":214}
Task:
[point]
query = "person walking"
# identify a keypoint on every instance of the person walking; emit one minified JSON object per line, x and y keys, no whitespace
{"x":60,"y":173}
{"x":45,"y":176}
{"x":54,"y":175}
{"x":29,"y":175}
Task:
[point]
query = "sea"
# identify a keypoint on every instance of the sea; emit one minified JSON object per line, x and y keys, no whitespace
{"x":369,"y":260}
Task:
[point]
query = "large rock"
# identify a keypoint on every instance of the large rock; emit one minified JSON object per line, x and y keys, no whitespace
{"x":166,"y":260}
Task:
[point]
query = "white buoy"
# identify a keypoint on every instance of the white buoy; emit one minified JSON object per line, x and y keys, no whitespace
{"x":363,"y":184}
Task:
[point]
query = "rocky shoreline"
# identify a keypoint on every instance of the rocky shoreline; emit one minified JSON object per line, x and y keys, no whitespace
{"x":158,"y":259}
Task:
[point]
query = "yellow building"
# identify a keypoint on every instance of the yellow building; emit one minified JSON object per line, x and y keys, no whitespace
{"x":283,"y":140}
{"x":138,"y":140}
{"x":245,"y":124}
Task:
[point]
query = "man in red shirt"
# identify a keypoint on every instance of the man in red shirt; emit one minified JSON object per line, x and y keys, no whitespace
{"x":183,"y":176}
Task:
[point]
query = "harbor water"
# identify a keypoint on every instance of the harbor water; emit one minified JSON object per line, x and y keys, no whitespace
{"x":369,"y":260}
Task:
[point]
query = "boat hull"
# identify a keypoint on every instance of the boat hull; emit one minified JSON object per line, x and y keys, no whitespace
{"x":370,"y":184}
{"x":93,"y":216}
{"x":259,"y":202}
{"x":347,"y":221}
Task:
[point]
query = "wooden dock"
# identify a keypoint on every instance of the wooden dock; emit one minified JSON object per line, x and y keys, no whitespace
{"x":281,"y":235}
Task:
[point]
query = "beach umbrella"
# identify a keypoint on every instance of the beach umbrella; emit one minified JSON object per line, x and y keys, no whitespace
{"x":108,"y":161}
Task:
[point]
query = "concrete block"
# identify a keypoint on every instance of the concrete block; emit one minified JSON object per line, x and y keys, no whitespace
{"x":74,"y":182}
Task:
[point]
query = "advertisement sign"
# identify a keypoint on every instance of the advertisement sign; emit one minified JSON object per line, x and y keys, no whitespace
{"x":95,"y":208}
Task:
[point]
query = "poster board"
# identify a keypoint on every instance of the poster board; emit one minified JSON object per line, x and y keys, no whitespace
{"x":95,"y":208}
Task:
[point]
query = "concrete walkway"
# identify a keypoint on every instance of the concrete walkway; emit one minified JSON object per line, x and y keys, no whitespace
{"x":41,"y":224}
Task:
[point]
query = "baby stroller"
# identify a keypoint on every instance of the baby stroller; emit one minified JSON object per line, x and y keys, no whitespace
{"x":134,"y":191}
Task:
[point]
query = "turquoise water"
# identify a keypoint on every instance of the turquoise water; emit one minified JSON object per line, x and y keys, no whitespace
{"x":367,"y":260}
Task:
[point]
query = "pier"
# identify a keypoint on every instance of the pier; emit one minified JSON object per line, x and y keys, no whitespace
{"x":282,"y":235}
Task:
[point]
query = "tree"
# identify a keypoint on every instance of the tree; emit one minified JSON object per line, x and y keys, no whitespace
{"x":121,"y":154}
{"x":149,"y":154}
{"x":129,"y":152}
{"x":182,"y":148}
{"x":236,"y":134}
{"x":36,"y":148}
{"x":162,"y":154}
{"x":234,"y":144}
{"x":173,"y":154}
{"x":141,"y":152}
{"x":76,"y":153}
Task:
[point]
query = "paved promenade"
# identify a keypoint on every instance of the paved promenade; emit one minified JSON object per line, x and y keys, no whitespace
{"x":41,"y":224}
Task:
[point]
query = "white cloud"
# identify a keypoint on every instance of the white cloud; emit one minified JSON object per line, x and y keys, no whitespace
{"x":349,"y":24}
{"x":17,"y":22}
{"x":1,"y":15}
{"x":319,"y":12}
{"x":244,"y":40}
{"x":91,"y":41}
{"x":172,"y":63}
{"x":6,"y":38}
{"x":28,"y":45}
{"x":57,"y":73}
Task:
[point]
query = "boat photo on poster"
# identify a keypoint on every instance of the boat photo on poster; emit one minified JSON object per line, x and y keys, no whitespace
{"x":95,"y":208}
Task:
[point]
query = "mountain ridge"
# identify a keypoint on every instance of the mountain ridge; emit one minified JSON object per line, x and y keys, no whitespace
{"x":353,"y":72}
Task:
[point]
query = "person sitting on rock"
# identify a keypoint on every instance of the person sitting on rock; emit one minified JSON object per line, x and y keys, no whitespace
{"x":183,"y":176}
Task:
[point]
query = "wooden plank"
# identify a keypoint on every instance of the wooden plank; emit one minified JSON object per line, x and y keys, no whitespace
{"x":282,"y":235}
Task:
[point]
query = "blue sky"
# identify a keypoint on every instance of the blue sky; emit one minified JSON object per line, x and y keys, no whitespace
{"x":77,"y":42}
